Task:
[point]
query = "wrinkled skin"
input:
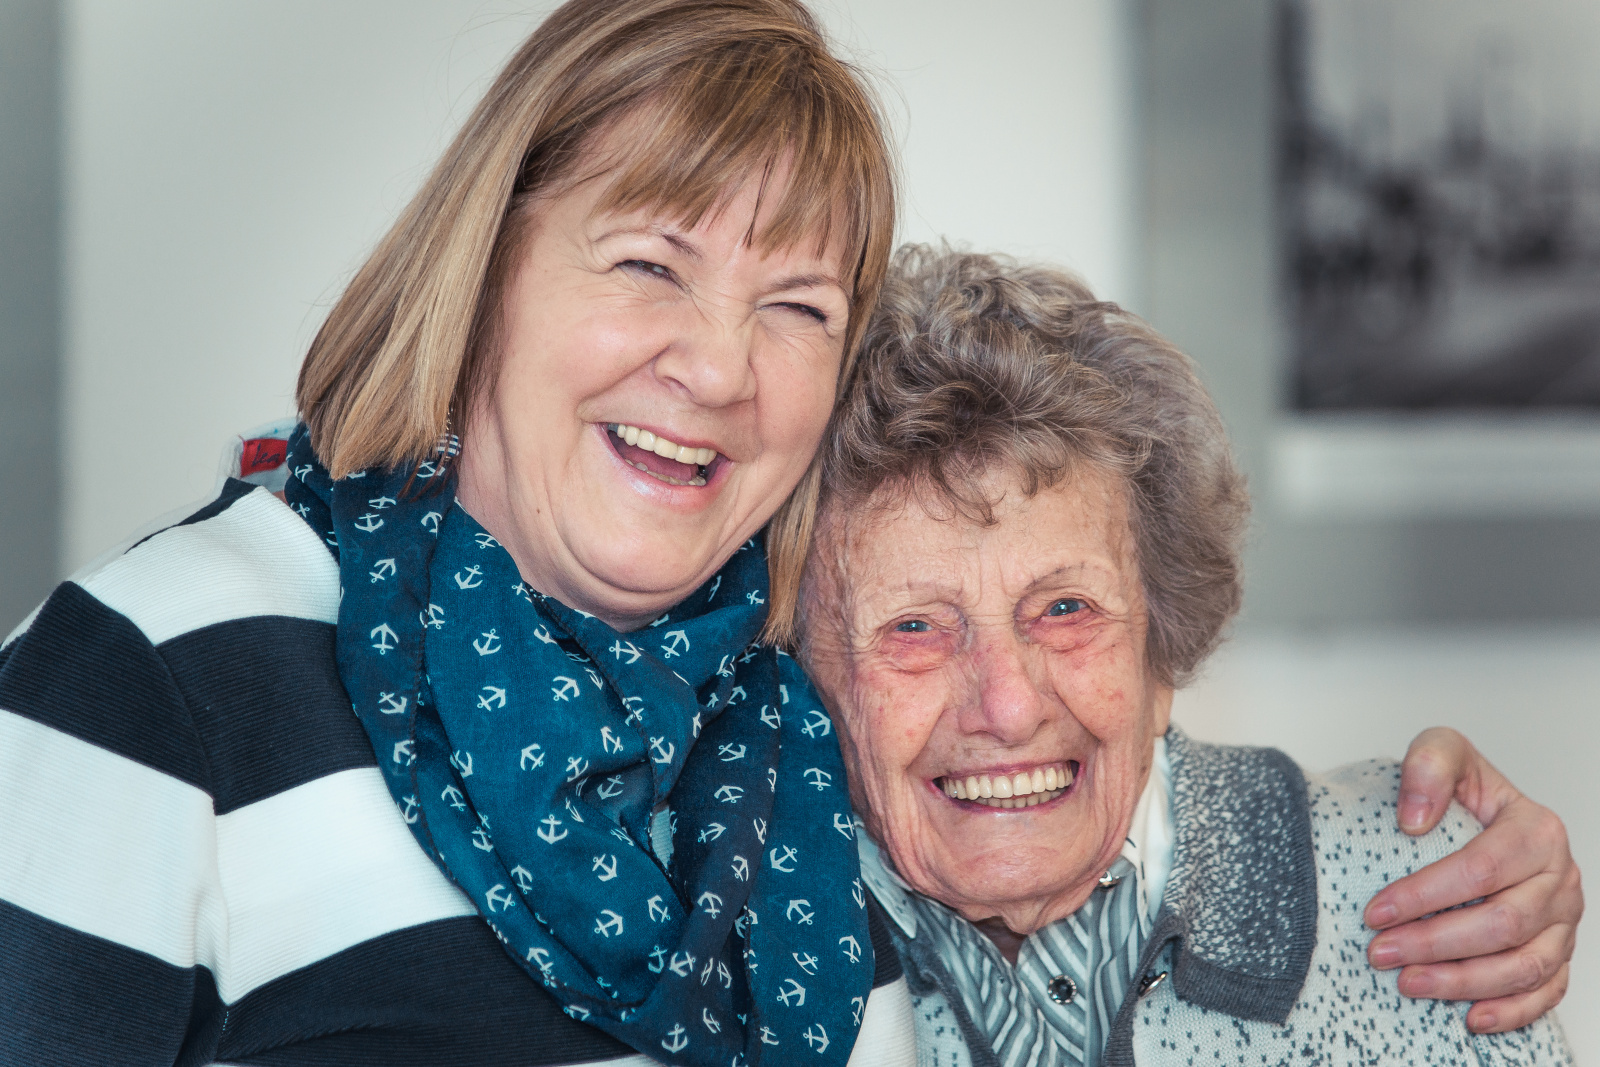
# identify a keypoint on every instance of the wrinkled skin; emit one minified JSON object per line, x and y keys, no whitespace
{"x":960,"y":649}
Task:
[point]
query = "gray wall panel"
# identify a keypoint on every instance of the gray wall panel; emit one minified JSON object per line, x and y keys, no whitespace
{"x":30,"y":210}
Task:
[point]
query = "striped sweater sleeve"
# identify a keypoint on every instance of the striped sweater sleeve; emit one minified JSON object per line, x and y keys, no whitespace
{"x":108,"y":887}
{"x":136,"y":710}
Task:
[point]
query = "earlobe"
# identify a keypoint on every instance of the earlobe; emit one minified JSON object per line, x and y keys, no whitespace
{"x":1161,"y":708}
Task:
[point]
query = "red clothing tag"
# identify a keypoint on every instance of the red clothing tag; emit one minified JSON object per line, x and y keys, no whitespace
{"x":262,"y":454}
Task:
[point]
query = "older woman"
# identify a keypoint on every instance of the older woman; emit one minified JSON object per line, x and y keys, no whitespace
{"x":543,"y":426}
{"x":1029,"y":538}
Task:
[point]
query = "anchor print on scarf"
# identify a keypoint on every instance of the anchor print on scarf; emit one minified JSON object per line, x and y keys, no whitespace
{"x":681,"y":779}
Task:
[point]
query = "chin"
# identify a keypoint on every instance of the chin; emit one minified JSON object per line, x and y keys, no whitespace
{"x":644,"y":566}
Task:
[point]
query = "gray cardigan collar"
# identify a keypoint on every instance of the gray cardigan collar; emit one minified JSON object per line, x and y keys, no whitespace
{"x":1240,"y":909}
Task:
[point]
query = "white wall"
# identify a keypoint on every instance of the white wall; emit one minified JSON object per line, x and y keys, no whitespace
{"x":229,"y":165}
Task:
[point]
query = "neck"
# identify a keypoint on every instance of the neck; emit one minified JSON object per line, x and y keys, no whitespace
{"x":484,"y":487}
{"x":1006,"y":939}
{"x":1009,"y":924}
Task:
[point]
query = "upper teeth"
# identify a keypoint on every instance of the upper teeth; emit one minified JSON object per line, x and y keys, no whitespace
{"x":1023,"y":789}
{"x":648,"y":441}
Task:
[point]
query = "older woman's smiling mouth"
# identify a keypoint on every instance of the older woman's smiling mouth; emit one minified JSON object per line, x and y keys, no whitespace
{"x":1022,"y":789}
{"x":661,"y":458}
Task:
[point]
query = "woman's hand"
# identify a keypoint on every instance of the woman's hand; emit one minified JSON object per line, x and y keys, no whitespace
{"x":1510,"y":951}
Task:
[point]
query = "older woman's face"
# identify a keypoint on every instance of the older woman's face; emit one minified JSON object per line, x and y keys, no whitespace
{"x":952,"y":652}
{"x":662,"y":390}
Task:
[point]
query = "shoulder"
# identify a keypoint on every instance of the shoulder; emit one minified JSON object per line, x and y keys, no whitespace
{"x":177,"y":655}
{"x":178,"y":651}
{"x":173,"y":726}
{"x":1354,"y":822}
{"x":1345,"y":1012}
{"x":243,"y":554}
{"x":1360,"y":849}
{"x":108,"y":656}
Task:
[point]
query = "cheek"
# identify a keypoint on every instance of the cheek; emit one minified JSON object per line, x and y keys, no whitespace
{"x":569,"y":345}
{"x":887,"y":733}
{"x":1103,"y":684}
{"x":795,"y":393}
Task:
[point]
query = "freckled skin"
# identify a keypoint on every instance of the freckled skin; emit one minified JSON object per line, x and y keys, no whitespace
{"x":942,"y":647}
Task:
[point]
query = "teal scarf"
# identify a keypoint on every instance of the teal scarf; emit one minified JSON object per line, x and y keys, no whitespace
{"x":655,"y":823}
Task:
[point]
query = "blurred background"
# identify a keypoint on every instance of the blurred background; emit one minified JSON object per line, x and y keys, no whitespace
{"x":1380,"y":240}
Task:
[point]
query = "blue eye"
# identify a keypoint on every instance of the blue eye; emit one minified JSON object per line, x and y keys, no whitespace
{"x":1066,"y":606}
{"x":913,"y":626}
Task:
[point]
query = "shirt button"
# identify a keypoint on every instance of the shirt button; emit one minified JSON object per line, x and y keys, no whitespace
{"x":1062,"y":989}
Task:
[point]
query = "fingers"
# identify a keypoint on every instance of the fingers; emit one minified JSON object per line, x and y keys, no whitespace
{"x":1530,"y":990}
{"x":1500,"y":951}
{"x":1538,"y":918}
{"x":1512,"y":1013}
{"x":1527,"y":840}
{"x":1435,"y":762}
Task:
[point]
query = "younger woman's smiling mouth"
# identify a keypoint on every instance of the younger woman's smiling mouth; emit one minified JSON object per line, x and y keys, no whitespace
{"x":661,"y":458}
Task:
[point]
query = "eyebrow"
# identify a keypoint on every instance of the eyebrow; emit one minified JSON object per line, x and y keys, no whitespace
{"x":807,"y":281}
{"x":691,"y":251}
{"x":1062,"y":572}
{"x":942,"y":588}
{"x":679,"y":242}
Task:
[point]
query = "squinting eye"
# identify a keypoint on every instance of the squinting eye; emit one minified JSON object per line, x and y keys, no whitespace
{"x":913,"y":626}
{"x":644,"y":266}
{"x":807,"y":310}
{"x":1066,"y":606}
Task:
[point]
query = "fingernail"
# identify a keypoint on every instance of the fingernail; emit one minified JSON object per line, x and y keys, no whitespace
{"x":1384,"y":954}
{"x":1382,"y":915}
{"x":1413,"y":811}
{"x":1420,"y":984}
{"x":1484,"y":1022}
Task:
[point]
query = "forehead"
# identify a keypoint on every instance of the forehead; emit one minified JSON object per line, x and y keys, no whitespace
{"x":783,"y":209}
{"x":903,"y":546}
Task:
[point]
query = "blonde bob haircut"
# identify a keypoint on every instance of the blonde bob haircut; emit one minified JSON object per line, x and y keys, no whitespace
{"x":725,"y":90}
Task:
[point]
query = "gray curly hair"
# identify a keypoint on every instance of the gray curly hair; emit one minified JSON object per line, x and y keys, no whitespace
{"x":975,"y":363}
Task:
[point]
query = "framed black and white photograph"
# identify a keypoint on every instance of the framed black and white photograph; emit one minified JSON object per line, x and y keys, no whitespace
{"x":1439,"y":179}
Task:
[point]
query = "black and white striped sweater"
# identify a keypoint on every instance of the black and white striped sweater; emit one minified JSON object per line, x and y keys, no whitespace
{"x":199,"y":860}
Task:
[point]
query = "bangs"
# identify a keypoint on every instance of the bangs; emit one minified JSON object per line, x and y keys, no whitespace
{"x":737,"y":116}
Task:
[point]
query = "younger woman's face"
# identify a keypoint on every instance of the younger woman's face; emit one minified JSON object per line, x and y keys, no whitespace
{"x":661,"y":391}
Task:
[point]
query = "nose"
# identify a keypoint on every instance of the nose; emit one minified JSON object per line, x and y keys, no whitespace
{"x":711,"y":362}
{"x":1008,"y":704}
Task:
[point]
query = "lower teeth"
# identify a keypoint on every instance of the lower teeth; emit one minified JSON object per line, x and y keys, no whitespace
{"x":1032,"y":800}
{"x":696,"y":481}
